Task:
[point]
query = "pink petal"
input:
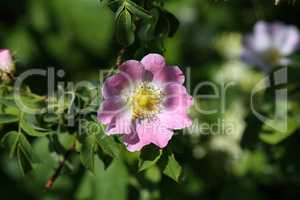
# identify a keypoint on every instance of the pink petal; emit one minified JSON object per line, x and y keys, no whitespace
{"x":292,"y":41}
{"x":133,"y":143}
{"x":115,"y":114}
{"x":278,"y":33}
{"x":147,"y":132}
{"x":162,"y":73}
{"x":169,"y":74}
{"x":174,"y":89}
{"x":262,"y":37}
{"x":252,"y":58}
{"x":109,"y":109}
{"x":114,"y":85}
{"x":175,"y":104}
{"x":133,"y":70}
{"x":285,"y":38}
{"x":177,"y":97}
{"x":121,"y":124}
{"x":6,"y":62}
{"x":154,"y":63}
{"x":175,"y":120}
{"x":153,"y":131}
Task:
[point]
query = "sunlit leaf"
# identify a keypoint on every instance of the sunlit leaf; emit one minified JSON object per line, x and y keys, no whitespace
{"x":104,"y":184}
{"x":171,"y":167}
{"x":148,"y":157}
{"x":87,"y":153}
{"x":8,"y":118}
{"x":108,"y":145}
{"x":272,"y":136}
{"x":32,"y":131}
{"x":153,"y":174}
{"x":8,"y":102}
{"x":50,"y":118}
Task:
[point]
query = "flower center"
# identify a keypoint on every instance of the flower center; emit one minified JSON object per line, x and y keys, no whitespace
{"x":272,"y":56}
{"x":146,"y":101}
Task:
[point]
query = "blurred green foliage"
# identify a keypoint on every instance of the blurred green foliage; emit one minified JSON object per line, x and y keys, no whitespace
{"x":250,"y":162}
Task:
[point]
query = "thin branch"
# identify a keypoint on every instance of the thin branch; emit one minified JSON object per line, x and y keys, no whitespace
{"x":58,"y":170}
{"x":120,"y":57}
{"x":118,"y":62}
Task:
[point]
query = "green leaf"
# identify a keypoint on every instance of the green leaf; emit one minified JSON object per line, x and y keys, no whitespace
{"x":109,"y":184}
{"x":146,"y":33}
{"x":137,"y":10}
{"x":167,"y":24}
{"x":8,"y":118}
{"x":148,"y":157}
{"x":23,"y":162}
{"x":171,"y":167}
{"x":114,"y":5}
{"x":10,"y":141}
{"x":27,"y":100}
{"x":106,"y":159}
{"x":94,"y":140}
{"x":274,"y":137}
{"x":147,"y":30}
{"x":119,"y":7}
{"x":87,"y":153}
{"x":173,"y":23}
{"x":50,"y":118}
{"x":19,"y":145}
{"x":85,"y":188}
{"x":27,"y":149}
{"x":153,"y":174}
{"x":8,"y":102}
{"x":108,"y":145}
{"x":124,"y":28}
{"x":162,"y":28}
{"x":32,"y":131}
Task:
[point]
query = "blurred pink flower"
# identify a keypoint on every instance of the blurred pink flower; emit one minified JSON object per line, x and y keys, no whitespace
{"x":270,"y":44}
{"x":6,"y":62}
{"x":145,"y":102}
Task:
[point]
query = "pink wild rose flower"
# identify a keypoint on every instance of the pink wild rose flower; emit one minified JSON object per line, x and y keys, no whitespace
{"x":6,"y":62}
{"x":145,"y":102}
{"x":270,"y":44}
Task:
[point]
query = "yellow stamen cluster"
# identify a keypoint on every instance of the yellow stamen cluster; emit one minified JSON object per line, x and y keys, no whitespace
{"x":146,"y":101}
{"x":272,"y":56}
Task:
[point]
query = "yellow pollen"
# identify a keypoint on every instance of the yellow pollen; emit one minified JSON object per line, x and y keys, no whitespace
{"x":272,"y":56}
{"x":145,"y":102}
